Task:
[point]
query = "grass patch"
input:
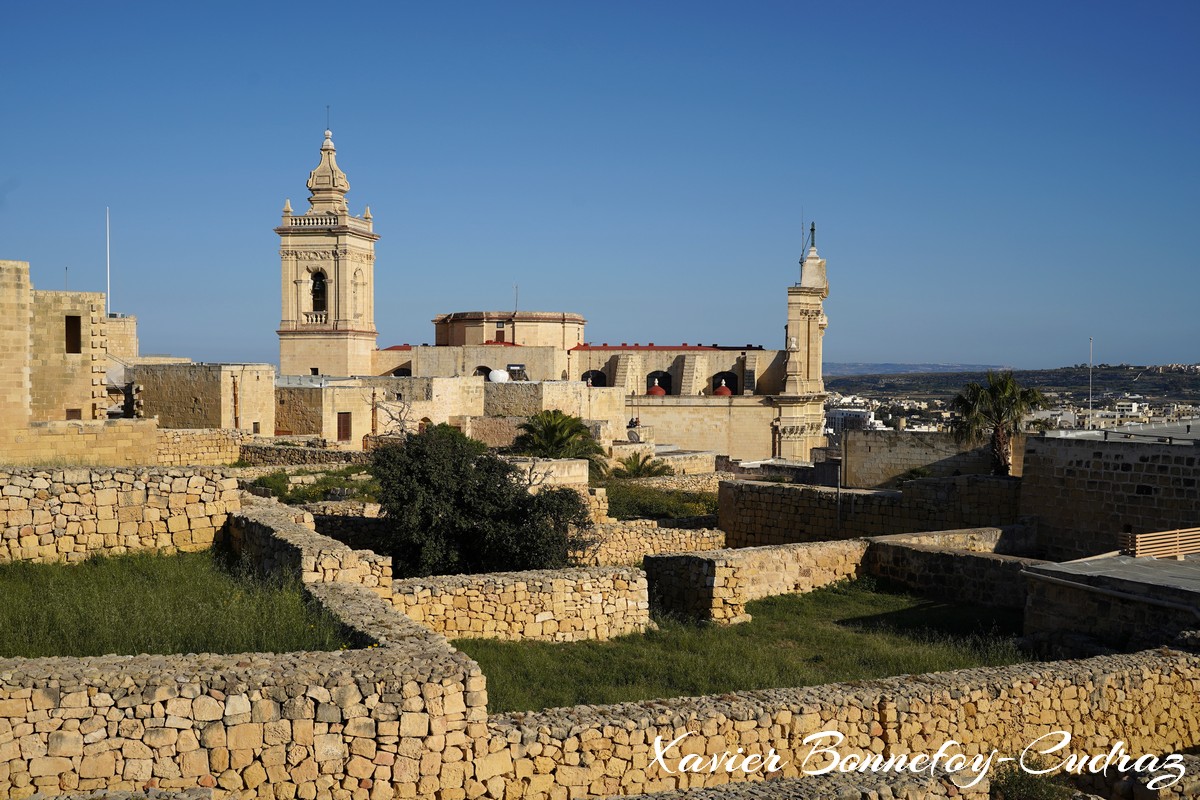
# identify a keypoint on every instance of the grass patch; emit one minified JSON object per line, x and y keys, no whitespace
{"x":148,"y":603}
{"x":343,"y":480}
{"x":633,"y":501}
{"x":837,"y":634}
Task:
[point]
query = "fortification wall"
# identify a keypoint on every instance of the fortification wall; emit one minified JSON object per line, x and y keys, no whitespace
{"x":1084,"y":492}
{"x":754,"y":513}
{"x":982,"y":578}
{"x":16,"y":322}
{"x":704,"y":482}
{"x":198,"y":447}
{"x":67,"y":369}
{"x":119,"y":442}
{"x":68,"y":514}
{"x":872,"y":459}
{"x":553,"y":605}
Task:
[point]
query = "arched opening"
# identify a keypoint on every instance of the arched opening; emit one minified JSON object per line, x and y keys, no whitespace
{"x":595,"y":377}
{"x":318,"y":292}
{"x":482,"y":371}
{"x":425,"y":424}
{"x":730,"y":382}
{"x":402,"y":372}
{"x":663,"y":381}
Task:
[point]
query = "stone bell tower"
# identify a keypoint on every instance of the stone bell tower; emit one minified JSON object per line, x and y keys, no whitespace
{"x":328,"y":279}
{"x":801,"y":421}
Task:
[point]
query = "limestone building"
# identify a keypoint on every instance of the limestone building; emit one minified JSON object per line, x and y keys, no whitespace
{"x":327,"y":326}
{"x":744,"y":401}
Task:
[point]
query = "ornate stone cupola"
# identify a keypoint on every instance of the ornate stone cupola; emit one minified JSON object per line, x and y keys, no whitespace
{"x":327,"y":259}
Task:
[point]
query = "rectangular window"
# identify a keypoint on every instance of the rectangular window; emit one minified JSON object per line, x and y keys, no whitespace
{"x":256,"y":427}
{"x":75,"y":413}
{"x":74,"y":335}
{"x":314,"y":371}
{"x":343,"y":426}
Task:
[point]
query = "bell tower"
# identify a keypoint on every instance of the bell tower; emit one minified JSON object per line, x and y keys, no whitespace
{"x":327,"y":259}
{"x":801,"y":421}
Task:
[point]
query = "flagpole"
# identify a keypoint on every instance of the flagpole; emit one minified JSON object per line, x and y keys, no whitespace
{"x":107,"y":266}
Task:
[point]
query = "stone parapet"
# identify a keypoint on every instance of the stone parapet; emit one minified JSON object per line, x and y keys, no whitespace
{"x":283,"y":455}
{"x":553,"y":605}
{"x":69,"y":514}
{"x":197,"y":447}
{"x":753,"y":513}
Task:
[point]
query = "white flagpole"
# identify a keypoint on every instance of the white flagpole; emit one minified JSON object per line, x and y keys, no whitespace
{"x":107,"y":266}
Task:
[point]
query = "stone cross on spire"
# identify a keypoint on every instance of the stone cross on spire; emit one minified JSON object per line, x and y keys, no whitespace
{"x":327,"y":183}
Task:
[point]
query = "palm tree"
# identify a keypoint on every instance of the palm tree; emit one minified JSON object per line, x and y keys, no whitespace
{"x":642,"y":466}
{"x":553,"y":434}
{"x":994,"y":411}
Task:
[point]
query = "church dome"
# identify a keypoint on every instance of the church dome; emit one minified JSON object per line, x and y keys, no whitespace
{"x":656,"y":390}
{"x":722,"y":390}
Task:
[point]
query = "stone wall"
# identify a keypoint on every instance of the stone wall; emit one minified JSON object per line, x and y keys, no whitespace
{"x":738,"y":426}
{"x":552,"y":605}
{"x":69,"y":514}
{"x":627,"y":542}
{"x":62,"y":381}
{"x":689,"y":463}
{"x":108,"y":443}
{"x":1149,"y":700}
{"x":16,"y":318}
{"x":198,"y":447}
{"x":754,"y":513}
{"x":872,"y":459}
{"x":1067,"y":614}
{"x":1084,"y":492}
{"x":493,"y":431}
{"x":379,"y":721}
{"x":716,"y":585}
{"x":958,"y":575}
{"x":705,"y":482}
{"x":282,"y":455}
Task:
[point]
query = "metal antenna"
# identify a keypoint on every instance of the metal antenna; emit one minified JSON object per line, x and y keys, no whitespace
{"x":327,"y":117}
{"x":516,"y":297}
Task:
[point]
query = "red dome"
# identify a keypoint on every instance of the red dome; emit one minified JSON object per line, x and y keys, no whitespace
{"x":656,"y":390}
{"x":722,"y":390}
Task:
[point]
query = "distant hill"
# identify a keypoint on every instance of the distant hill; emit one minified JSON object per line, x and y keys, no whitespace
{"x":1065,"y":382}
{"x":833,"y":368}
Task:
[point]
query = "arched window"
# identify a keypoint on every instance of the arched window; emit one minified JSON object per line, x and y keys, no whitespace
{"x":663,"y":378}
{"x":318,"y":292}
{"x":482,"y":371}
{"x":730,"y":379}
{"x":596,"y":377}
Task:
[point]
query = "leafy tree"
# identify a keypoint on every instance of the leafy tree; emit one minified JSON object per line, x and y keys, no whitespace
{"x":994,"y":412}
{"x":554,"y":434}
{"x":642,"y":465}
{"x":454,"y":507}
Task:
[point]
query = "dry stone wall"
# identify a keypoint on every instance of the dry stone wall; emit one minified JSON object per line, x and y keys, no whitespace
{"x":871,"y":459}
{"x":626,"y":543}
{"x":1084,"y":492}
{"x":717,"y":585}
{"x":703,"y":482}
{"x":398,"y":717}
{"x":282,"y":455}
{"x":552,"y":605}
{"x":754,"y":513}
{"x":69,"y":514}
{"x":1149,"y":700}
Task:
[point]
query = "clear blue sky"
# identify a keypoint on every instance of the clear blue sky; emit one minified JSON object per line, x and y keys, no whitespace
{"x":992,"y":183}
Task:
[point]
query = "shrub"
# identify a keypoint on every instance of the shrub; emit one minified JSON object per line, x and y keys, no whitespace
{"x":1013,"y":783}
{"x":632,"y":501}
{"x":454,"y":507}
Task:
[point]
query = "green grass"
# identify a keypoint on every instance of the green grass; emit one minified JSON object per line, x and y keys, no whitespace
{"x":147,"y":603}
{"x":633,"y":501}
{"x":838,"y":634}
{"x":361,"y":490}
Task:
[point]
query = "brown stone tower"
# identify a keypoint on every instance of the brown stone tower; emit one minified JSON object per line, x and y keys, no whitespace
{"x":328,"y":279}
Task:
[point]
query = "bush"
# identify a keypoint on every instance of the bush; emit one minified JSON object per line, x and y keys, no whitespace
{"x":632,"y":501}
{"x":1013,"y":783}
{"x":642,"y":465}
{"x":341,"y":479}
{"x":453,"y":507}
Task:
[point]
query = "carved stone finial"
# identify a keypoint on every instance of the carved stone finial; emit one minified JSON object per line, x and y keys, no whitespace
{"x":327,"y":182}
{"x":287,"y":206}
